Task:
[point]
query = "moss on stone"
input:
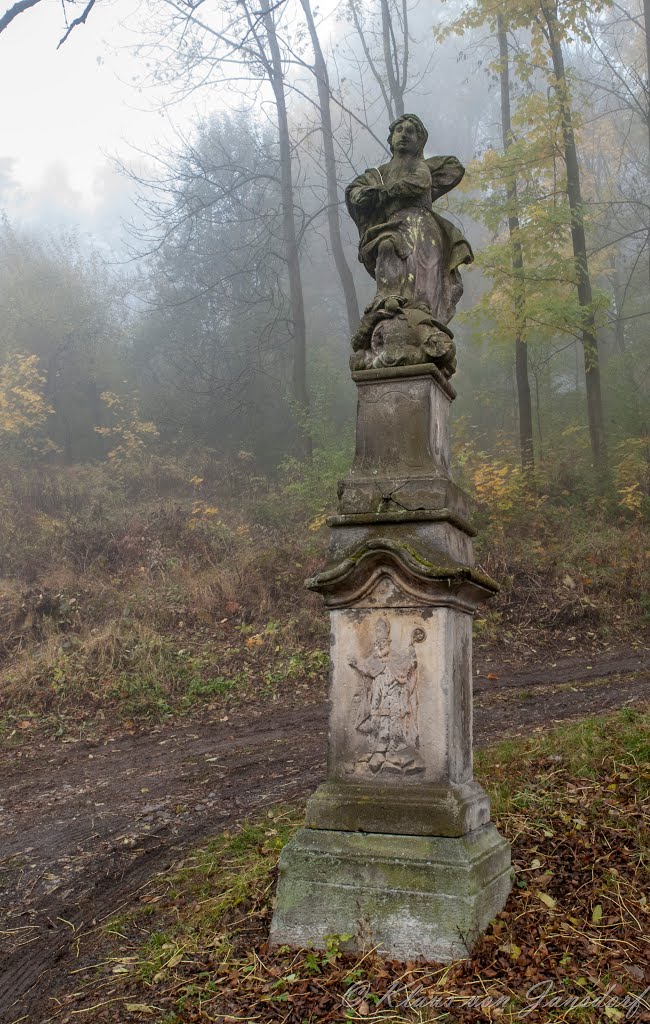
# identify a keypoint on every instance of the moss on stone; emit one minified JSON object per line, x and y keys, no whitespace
{"x":411,"y":559}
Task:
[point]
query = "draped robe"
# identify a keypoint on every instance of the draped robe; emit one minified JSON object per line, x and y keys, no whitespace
{"x":426,"y":249}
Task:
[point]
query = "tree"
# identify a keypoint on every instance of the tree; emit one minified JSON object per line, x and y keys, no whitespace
{"x":324,"y":95}
{"x":23,"y":409}
{"x":549,"y":26}
{"x":521,"y":348}
{"x":59,"y":304}
{"x":212,"y":352}
{"x":24,"y":5}
{"x":244,"y":41}
{"x":618,"y":68}
{"x":554,"y":33}
{"x":389,"y":67}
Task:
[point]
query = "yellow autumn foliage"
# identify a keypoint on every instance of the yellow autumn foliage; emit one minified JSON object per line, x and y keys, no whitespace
{"x":23,"y":408}
{"x":130,"y":435}
{"x":632,"y":474}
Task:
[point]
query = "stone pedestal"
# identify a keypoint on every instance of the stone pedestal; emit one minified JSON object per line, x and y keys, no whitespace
{"x":398,"y":851}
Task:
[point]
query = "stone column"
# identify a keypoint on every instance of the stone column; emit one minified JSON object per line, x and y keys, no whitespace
{"x":398,"y":850}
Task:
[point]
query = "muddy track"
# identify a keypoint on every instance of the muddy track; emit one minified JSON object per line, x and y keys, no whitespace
{"x":83,"y":825}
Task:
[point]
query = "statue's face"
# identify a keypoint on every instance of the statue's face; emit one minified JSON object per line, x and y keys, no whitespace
{"x":405,"y":138}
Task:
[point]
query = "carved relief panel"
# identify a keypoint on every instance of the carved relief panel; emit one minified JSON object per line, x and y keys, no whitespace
{"x":385,"y":704}
{"x":397,"y":690}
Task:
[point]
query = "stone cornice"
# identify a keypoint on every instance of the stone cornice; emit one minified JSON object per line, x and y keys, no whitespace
{"x":442,"y":582}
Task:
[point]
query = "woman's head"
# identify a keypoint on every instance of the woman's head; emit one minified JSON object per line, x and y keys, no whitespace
{"x":408,"y":134}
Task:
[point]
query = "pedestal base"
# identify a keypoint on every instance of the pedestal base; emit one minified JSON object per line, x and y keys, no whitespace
{"x":424,"y":810}
{"x":411,"y":897}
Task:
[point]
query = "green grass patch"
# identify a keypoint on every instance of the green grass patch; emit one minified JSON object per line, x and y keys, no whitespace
{"x":586,"y":749}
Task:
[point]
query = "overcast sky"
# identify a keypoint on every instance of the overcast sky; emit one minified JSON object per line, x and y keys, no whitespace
{"x":67,"y":112}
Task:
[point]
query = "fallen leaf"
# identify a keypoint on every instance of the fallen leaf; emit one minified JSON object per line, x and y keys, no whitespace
{"x":511,"y":949}
{"x":613,"y":1013}
{"x":546,"y":899}
{"x":635,"y":972}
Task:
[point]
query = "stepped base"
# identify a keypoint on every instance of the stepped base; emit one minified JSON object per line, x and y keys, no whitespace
{"x":423,"y":810}
{"x":410,"y":897}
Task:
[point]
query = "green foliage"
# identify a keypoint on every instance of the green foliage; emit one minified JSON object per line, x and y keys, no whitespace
{"x":540,"y":302}
{"x":308,"y":487}
{"x":582,"y":747}
{"x":632,"y":476}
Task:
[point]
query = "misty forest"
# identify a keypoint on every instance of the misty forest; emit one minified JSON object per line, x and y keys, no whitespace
{"x":176,"y":413}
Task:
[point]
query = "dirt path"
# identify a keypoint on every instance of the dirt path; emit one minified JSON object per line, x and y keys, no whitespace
{"x":83,"y":824}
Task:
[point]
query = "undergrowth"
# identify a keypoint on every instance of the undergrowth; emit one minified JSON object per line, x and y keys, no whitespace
{"x":143,"y":590}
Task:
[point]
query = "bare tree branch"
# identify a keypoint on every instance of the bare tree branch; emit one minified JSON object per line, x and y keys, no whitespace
{"x":13,"y":12}
{"x":81,"y":20}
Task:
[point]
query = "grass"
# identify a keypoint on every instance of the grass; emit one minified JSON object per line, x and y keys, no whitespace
{"x":573,"y":804}
{"x":505,"y":769}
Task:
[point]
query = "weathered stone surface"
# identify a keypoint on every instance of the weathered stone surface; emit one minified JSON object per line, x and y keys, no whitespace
{"x":438,"y":538}
{"x":402,"y":424}
{"x":387,"y":572}
{"x":401,"y":695}
{"x":401,"y":336}
{"x":396,"y":495}
{"x":398,"y":851}
{"x":423,"y":810}
{"x":412,"y":252}
{"x":400,"y":481}
{"x":409,"y":896}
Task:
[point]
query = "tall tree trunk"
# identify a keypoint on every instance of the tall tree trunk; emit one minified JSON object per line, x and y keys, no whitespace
{"x":396,"y":82}
{"x":391,"y":71}
{"x":646,"y":15}
{"x":333,"y":220}
{"x":583,"y":280}
{"x":521,"y":347}
{"x":619,"y":323}
{"x":296,"y":298}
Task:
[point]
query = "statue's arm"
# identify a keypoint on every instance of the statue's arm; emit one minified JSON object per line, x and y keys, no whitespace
{"x":411,"y":186}
{"x":364,"y":190}
{"x":446,"y":172}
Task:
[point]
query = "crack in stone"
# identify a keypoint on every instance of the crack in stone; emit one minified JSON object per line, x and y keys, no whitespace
{"x":387,"y":498}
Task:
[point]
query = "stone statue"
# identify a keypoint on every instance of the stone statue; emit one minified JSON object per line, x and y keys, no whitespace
{"x":398,"y":853}
{"x":412,"y":252}
{"x":387,"y":713}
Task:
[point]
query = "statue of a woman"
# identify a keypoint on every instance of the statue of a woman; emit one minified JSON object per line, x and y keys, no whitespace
{"x":412,"y":252}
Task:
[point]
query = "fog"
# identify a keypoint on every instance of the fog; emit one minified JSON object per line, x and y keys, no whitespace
{"x":143,"y":159}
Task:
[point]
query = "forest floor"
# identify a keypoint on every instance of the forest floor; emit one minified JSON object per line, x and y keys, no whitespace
{"x":84,"y":823}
